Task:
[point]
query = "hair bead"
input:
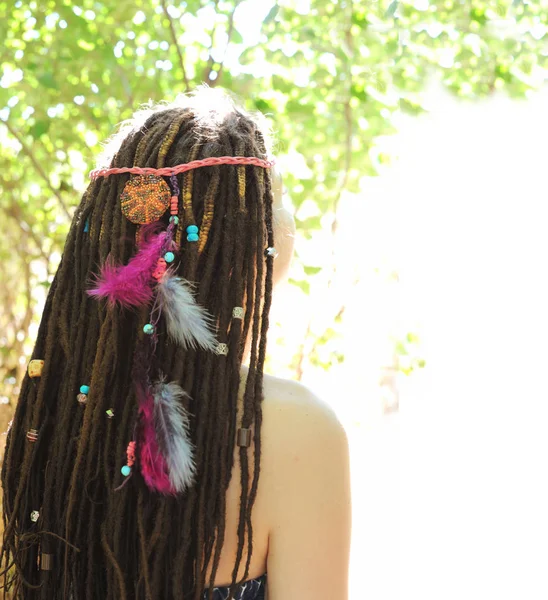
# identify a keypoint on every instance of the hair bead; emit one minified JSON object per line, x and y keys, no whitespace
{"x":32,"y":435}
{"x":35,"y":368}
{"x":238,"y":312}
{"x":169,"y":257}
{"x":84,"y":389}
{"x":192,"y":237}
{"x":244,"y":437}
{"x":271,"y":251}
{"x":222,"y":349}
{"x":46,"y":562}
{"x":82,"y":398}
{"x":110,"y":413}
{"x":126,"y":470}
{"x":174,"y":219}
{"x":192,"y":229}
{"x":148,"y":329}
{"x":34,"y":516}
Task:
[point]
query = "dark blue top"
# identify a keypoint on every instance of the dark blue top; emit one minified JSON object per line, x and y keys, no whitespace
{"x":252,"y":589}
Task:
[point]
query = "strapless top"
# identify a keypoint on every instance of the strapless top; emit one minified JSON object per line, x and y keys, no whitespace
{"x":252,"y":589}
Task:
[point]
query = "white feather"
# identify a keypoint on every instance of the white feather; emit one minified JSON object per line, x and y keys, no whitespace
{"x":188,"y":323}
{"x":172,"y":427}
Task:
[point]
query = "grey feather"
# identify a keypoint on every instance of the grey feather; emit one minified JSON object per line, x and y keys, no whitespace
{"x":172,"y":427}
{"x":188,"y":323}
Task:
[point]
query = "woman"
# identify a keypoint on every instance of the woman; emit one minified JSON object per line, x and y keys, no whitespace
{"x":148,"y":456}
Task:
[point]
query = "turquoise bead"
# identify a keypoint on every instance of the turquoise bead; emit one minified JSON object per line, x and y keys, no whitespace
{"x":148,"y":329}
{"x":169,"y":257}
{"x":174,"y":219}
{"x":126,"y":470}
{"x":192,"y":237}
{"x":192,"y":229}
{"x":84,"y":389}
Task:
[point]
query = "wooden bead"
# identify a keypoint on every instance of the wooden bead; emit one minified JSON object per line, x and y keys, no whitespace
{"x":35,"y":368}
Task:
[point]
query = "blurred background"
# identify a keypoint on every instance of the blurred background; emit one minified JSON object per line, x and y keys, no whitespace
{"x":411,"y":138}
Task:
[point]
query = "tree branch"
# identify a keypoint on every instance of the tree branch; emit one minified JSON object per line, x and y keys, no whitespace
{"x":229,"y":37}
{"x":28,"y":151}
{"x":176,"y":43}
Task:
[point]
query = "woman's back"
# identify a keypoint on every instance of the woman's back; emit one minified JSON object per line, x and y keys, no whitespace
{"x":301,"y":517}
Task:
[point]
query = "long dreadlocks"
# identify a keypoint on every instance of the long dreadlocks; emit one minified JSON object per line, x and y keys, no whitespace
{"x":89,"y":540}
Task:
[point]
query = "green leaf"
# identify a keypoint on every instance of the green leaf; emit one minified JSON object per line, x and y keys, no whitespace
{"x":302,"y":284}
{"x":39,"y":128}
{"x":48,"y":81}
{"x":272,"y":13}
{"x":391,"y":10}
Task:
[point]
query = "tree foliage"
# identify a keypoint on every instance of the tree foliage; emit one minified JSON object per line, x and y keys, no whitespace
{"x":331,"y":74}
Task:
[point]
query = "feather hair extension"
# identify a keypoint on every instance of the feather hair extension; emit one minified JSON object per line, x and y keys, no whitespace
{"x":166,"y":452}
{"x":188,"y":323}
{"x":172,"y":427}
{"x":152,"y":463}
{"x":131,"y":285}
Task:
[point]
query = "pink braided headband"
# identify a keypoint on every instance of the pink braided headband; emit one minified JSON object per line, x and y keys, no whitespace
{"x":167,"y":171}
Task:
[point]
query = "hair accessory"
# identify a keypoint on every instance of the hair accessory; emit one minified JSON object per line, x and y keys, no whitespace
{"x":82,"y":398}
{"x":174,"y":206}
{"x":271,"y":251}
{"x":192,"y":233}
{"x":32,"y":435}
{"x":145,"y":199}
{"x":159,"y":271}
{"x":182,"y":168}
{"x":209,"y":209}
{"x":110,"y":413}
{"x":244,"y":436}
{"x":86,"y":226}
{"x":130,"y":452}
{"x":35,"y":367}
{"x":34,"y":516}
{"x":84,"y":389}
{"x":46,"y":562}
{"x":222,"y":349}
{"x":241,"y":184}
{"x":166,"y":451}
{"x":132,"y":285}
{"x":238,"y":312}
{"x":188,"y":323}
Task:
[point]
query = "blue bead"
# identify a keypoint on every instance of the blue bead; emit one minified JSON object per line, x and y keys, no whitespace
{"x":86,"y":226}
{"x":192,"y":229}
{"x":84,"y":389}
{"x":192,"y":237}
{"x":126,"y":470}
{"x":169,"y":257}
{"x":174,"y":219}
{"x":148,"y":329}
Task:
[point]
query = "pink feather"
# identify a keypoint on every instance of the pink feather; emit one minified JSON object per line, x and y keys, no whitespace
{"x":131,"y":285}
{"x":153,"y":465}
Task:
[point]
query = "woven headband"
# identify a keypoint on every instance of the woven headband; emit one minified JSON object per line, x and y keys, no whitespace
{"x":168,"y":171}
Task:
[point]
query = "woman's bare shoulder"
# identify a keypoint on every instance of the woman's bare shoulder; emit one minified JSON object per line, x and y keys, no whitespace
{"x":289,"y":398}
{"x":307,"y":492}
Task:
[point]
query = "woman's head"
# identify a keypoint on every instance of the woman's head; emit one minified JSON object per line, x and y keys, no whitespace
{"x":122,"y":543}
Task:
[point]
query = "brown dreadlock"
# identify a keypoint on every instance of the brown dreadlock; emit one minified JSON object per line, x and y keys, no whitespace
{"x":90,"y":541}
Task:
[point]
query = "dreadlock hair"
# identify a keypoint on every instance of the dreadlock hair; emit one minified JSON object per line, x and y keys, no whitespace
{"x":91,"y":541}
